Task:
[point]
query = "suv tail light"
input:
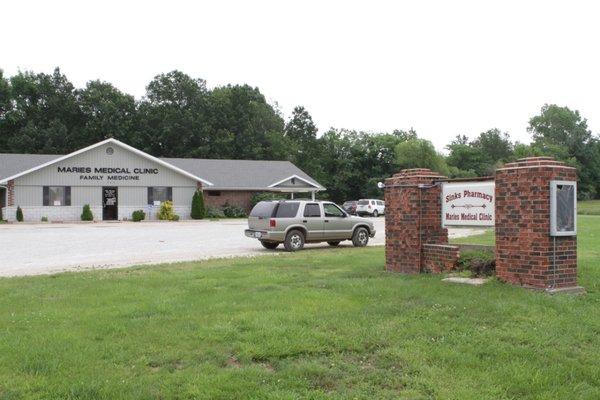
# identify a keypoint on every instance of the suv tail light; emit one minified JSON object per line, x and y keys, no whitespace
{"x":369,"y":206}
{"x":272,"y":223}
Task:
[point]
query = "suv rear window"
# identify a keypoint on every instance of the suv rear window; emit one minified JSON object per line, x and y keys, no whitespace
{"x":263,"y":209}
{"x":363,"y":202}
{"x":287,"y":210}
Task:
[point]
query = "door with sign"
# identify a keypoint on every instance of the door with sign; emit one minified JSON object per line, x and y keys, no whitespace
{"x":110,"y":204}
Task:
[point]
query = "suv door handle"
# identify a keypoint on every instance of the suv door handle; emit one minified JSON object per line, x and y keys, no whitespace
{"x":326,"y":220}
{"x":304,"y":221}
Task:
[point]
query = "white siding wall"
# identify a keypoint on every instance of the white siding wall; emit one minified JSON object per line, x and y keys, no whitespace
{"x":132,"y":195}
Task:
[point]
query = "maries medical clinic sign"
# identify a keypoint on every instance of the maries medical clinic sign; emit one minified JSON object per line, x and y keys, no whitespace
{"x":468,"y":204}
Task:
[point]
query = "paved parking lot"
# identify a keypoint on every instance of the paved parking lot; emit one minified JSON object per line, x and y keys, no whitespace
{"x":48,"y":248}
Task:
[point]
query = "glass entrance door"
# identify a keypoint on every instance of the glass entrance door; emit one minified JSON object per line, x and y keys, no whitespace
{"x":110,"y":203}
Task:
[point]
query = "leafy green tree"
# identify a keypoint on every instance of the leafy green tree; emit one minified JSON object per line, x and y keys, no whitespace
{"x":564,"y":134}
{"x":241,"y":116}
{"x":494,"y":145}
{"x":420,"y":153}
{"x":45,"y":116}
{"x":480,"y":156}
{"x":5,"y":108}
{"x":107,"y":112}
{"x":464,"y":157}
{"x":174,"y":117}
{"x":300,"y":133}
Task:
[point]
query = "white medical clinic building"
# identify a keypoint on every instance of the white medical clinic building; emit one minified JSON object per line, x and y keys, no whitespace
{"x":116,"y":179}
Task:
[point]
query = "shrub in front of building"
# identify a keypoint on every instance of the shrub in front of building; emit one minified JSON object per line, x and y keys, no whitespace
{"x":175,"y":217}
{"x":198,"y":210}
{"x":232,"y":211}
{"x":166,"y":212}
{"x":19,"y":214}
{"x":44,"y":219}
{"x":212,"y":212}
{"x":138,"y":215}
{"x":87,"y":215}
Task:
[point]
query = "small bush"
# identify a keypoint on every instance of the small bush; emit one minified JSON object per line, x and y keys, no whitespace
{"x":231,"y":211}
{"x":86,"y":214}
{"x":138,"y":215}
{"x":44,"y":219}
{"x":175,"y":217}
{"x":265,"y":196}
{"x":212,"y":212}
{"x":198,"y":210}
{"x":19,"y":214}
{"x":1,"y":219}
{"x":166,"y":212}
{"x":479,"y":262}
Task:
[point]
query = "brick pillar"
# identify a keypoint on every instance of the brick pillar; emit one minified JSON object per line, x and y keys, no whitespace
{"x":413,"y":217}
{"x":10,"y":193}
{"x":526,"y":254}
{"x":199,"y":185}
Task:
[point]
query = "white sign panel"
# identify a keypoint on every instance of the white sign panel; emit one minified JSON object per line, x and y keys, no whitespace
{"x":468,"y":204}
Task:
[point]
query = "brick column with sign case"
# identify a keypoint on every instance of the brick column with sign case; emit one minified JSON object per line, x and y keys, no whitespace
{"x":526,"y":253}
{"x":412,"y":218}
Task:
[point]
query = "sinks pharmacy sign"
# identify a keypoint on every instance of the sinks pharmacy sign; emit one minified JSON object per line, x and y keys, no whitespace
{"x":468,"y":203}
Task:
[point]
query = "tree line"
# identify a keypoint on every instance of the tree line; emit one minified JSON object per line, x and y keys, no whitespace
{"x":180,"y":117}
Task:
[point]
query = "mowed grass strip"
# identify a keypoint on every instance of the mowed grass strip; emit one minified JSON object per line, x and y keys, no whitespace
{"x":589,"y":207}
{"x":318,"y":324}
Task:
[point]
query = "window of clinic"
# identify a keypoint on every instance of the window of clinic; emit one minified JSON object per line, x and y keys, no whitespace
{"x":159,"y":194}
{"x":56,"y":196}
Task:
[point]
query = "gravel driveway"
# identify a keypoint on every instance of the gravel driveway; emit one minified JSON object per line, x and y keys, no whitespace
{"x":31,"y":249}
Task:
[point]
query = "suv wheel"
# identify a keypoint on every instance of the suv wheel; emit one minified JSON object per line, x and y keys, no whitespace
{"x":294,"y":241}
{"x":360,"y":237}
{"x":376,"y":213}
{"x":269,"y":245}
{"x":333,"y":244}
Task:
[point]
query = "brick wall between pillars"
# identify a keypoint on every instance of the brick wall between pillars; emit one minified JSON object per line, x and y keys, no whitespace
{"x":439,"y":258}
{"x":526,"y":254}
{"x":412,"y":218}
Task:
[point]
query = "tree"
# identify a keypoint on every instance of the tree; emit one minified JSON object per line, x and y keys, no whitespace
{"x":420,"y":153}
{"x":241,"y":115}
{"x":5,"y":108}
{"x":198,"y":210}
{"x":464,"y":157}
{"x":301,"y":133}
{"x":564,"y":134}
{"x":174,"y":116}
{"x":107,"y":112}
{"x":494,"y":145}
{"x":45,"y":116}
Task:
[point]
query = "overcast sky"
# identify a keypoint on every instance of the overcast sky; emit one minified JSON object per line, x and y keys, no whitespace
{"x":442,"y":67}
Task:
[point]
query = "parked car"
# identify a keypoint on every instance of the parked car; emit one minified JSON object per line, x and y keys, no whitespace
{"x":371,"y":207}
{"x":296,"y":222}
{"x":350,"y":207}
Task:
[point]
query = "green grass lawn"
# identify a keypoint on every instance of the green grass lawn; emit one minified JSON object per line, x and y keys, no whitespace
{"x":318,"y":324}
{"x":590,"y":207}
{"x":486,"y":238}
